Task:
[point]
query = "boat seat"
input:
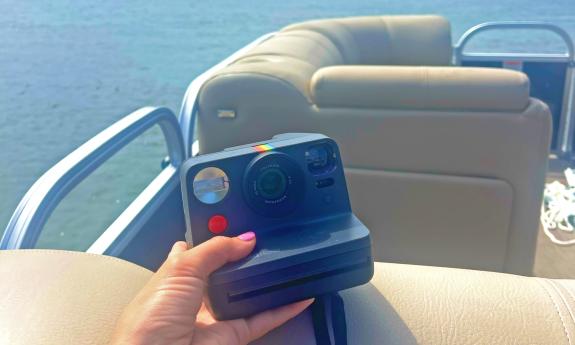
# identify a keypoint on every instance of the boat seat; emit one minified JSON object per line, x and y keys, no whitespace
{"x":445,"y":165}
{"x":60,"y":297}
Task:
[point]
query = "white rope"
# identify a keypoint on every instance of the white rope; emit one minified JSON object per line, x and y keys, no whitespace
{"x":557,"y":209}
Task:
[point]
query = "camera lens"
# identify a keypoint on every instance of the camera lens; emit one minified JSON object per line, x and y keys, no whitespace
{"x":274,"y":184}
{"x":271,"y":184}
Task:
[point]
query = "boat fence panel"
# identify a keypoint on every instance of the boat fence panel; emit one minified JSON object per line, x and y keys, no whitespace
{"x":551,"y":75}
{"x":47,"y":192}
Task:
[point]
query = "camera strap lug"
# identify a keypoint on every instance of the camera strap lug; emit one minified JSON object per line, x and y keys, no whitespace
{"x":328,"y":314}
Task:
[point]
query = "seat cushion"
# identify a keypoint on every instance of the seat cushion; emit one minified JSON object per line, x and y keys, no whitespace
{"x":292,"y":55}
{"x":423,"y":88}
{"x":432,"y":305}
{"x":407,"y":304}
{"x":59,"y":297}
{"x":62,"y":297}
{"x":452,"y":122}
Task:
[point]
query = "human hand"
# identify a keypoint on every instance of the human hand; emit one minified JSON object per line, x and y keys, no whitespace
{"x":170,"y":309}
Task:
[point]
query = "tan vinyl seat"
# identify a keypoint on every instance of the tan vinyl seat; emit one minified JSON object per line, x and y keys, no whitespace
{"x":60,"y":297}
{"x":445,"y":164}
{"x":57,"y":298}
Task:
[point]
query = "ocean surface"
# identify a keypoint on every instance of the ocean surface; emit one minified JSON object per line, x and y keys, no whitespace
{"x":69,"y":69}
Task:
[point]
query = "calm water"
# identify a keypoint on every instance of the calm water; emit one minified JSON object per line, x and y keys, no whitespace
{"x":69,"y":69}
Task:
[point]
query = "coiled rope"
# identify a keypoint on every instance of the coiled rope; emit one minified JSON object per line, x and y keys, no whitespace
{"x":558,"y":210}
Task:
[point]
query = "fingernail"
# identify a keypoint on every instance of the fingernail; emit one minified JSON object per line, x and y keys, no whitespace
{"x":247,"y":236}
{"x":310,"y":301}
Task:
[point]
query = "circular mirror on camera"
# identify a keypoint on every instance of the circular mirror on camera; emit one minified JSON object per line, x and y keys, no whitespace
{"x":211,"y":185}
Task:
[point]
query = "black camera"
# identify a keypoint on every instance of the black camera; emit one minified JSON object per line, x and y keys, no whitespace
{"x":291,"y":192}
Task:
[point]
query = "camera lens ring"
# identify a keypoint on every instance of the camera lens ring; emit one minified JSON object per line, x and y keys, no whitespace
{"x":284,"y":184}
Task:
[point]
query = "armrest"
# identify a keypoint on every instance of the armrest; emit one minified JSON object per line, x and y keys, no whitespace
{"x":406,"y":304}
{"x":57,"y":297}
{"x":429,"y":88}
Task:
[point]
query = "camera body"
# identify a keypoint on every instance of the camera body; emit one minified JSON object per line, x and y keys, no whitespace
{"x":291,"y":192}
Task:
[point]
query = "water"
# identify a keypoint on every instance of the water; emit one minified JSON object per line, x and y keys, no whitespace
{"x":69,"y":69}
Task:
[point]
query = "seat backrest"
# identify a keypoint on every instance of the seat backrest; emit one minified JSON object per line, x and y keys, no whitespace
{"x":295,"y":53}
{"x":445,"y":165}
{"x":423,"y":40}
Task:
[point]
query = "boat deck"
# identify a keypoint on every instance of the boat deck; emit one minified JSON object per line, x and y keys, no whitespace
{"x":552,"y":260}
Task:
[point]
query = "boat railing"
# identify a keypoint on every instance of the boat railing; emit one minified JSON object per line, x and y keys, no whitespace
{"x":551,"y":75}
{"x":51,"y":188}
{"x":460,"y":55}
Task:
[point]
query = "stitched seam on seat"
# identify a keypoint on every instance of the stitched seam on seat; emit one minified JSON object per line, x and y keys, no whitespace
{"x":317,"y":28}
{"x":386,"y":28}
{"x":559,"y":291}
{"x":107,"y":257}
{"x":284,"y":55}
{"x":427,"y":98}
{"x":295,"y":34}
{"x":568,"y":291}
{"x":351,"y":34}
{"x":542,"y":284}
{"x":268,"y":75}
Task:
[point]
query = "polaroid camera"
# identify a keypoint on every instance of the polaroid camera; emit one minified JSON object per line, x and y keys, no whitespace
{"x":291,"y":192}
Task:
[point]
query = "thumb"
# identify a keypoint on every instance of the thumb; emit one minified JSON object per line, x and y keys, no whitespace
{"x":218,"y":251}
{"x":178,"y":247}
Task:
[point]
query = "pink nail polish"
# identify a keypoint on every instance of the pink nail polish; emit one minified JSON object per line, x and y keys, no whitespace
{"x":247,"y":236}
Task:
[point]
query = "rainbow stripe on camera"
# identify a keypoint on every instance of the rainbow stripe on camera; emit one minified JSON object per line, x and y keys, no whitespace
{"x":263,"y":148}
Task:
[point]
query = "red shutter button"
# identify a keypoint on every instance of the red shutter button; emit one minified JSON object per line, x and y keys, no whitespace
{"x":217,"y":224}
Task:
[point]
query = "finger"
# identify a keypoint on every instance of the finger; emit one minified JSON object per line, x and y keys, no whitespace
{"x":217,"y":251}
{"x":260,"y":324}
{"x":178,"y":247}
